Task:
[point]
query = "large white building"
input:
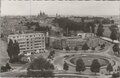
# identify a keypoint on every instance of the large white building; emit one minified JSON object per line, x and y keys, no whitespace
{"x":31,"y":42}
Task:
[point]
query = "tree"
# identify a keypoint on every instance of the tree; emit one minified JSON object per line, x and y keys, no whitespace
{"x":65,"y":66}
{"x":113,"y":35}
{"x":43,"y":66}
{"x":67,"y":48}
{"x":16,"y":49}
{"x":102,"y":46}
{"x":116,"y":48}
{"x":100,"y":30}
{"x":51,"y":54}
{"x":93,"y":27}
{"x":95,"y":66}
{"x":116,"y":75}
{"x":80,"y":66}
{"x":85,"y":47}
{"x":113,"y":28}
{"x":76,"y":48}
{"x":93,"y":48}
{"x":10,"y":48}
{"x":109,"y":68}
{"x":8,"y":66}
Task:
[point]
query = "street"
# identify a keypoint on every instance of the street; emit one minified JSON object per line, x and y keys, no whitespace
{"x":3,"y":54}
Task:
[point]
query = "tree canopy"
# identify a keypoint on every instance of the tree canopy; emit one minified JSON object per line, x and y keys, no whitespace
{"x":13,"y":51}
{"x":67,"y":25}
{"x":80,"y":66}
{"x":76,"y":48}
{"x":10,"y":48}
{"x":67,"y":48}
{"x":109,"y":68}
{"x":65,"y":66}
{"x":41,"y":64}
{"x":95,"y":66}
{"x":45,"y":68}
{"x":85,"y":47}
{"x":116,"y":48}
{"x":113,"y":35}
{"x":100,"y":30}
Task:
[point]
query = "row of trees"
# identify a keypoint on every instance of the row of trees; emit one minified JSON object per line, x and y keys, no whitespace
{"x":67,"y":25}
{"x":13,"y":50}
{"x":37,"y":26}
{"x":40,"y":67}
{"x":114,"y":31}
{"x":84,"y":47}
{"x":95,"y":66}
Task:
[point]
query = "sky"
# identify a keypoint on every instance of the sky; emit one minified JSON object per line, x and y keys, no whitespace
{"x":60,"y":7}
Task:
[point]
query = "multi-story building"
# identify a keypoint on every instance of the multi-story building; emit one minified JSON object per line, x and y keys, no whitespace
{"x":31,"y":42}
{"x":73,"y":42}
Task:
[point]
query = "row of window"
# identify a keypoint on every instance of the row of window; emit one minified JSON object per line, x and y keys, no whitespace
{"x":36,"y":38}
{"x":31,"y":48}
{"x":31,"y":42}
{"x":28,"y":36}
{"x":31,"y":45}
{"x":34,"y":50}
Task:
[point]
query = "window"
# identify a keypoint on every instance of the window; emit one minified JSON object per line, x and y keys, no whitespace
{"x":21,"y":45}
{"x":22,"y":48}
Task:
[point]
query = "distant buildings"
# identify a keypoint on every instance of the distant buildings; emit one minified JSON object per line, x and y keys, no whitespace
{"x":85,"y":35}
{"x":31,"y":42}
{"x":71,"y":42}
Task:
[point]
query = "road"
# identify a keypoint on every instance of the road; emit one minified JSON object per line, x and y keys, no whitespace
{"x":3,"y":54}
{"x":59,"y":60}
{"x":4,"y":59}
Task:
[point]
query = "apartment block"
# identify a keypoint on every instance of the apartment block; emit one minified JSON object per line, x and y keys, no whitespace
{"x":30,"y":42}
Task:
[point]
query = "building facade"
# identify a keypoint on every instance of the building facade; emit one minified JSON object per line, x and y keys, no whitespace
{"x":73,"y":42}
{"x":31,"y":42}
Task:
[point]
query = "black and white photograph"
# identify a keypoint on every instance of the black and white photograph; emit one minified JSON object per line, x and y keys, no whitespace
{"x":60,"y":38}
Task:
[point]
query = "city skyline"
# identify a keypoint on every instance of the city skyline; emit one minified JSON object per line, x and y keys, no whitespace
{"x":93,"y":8}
